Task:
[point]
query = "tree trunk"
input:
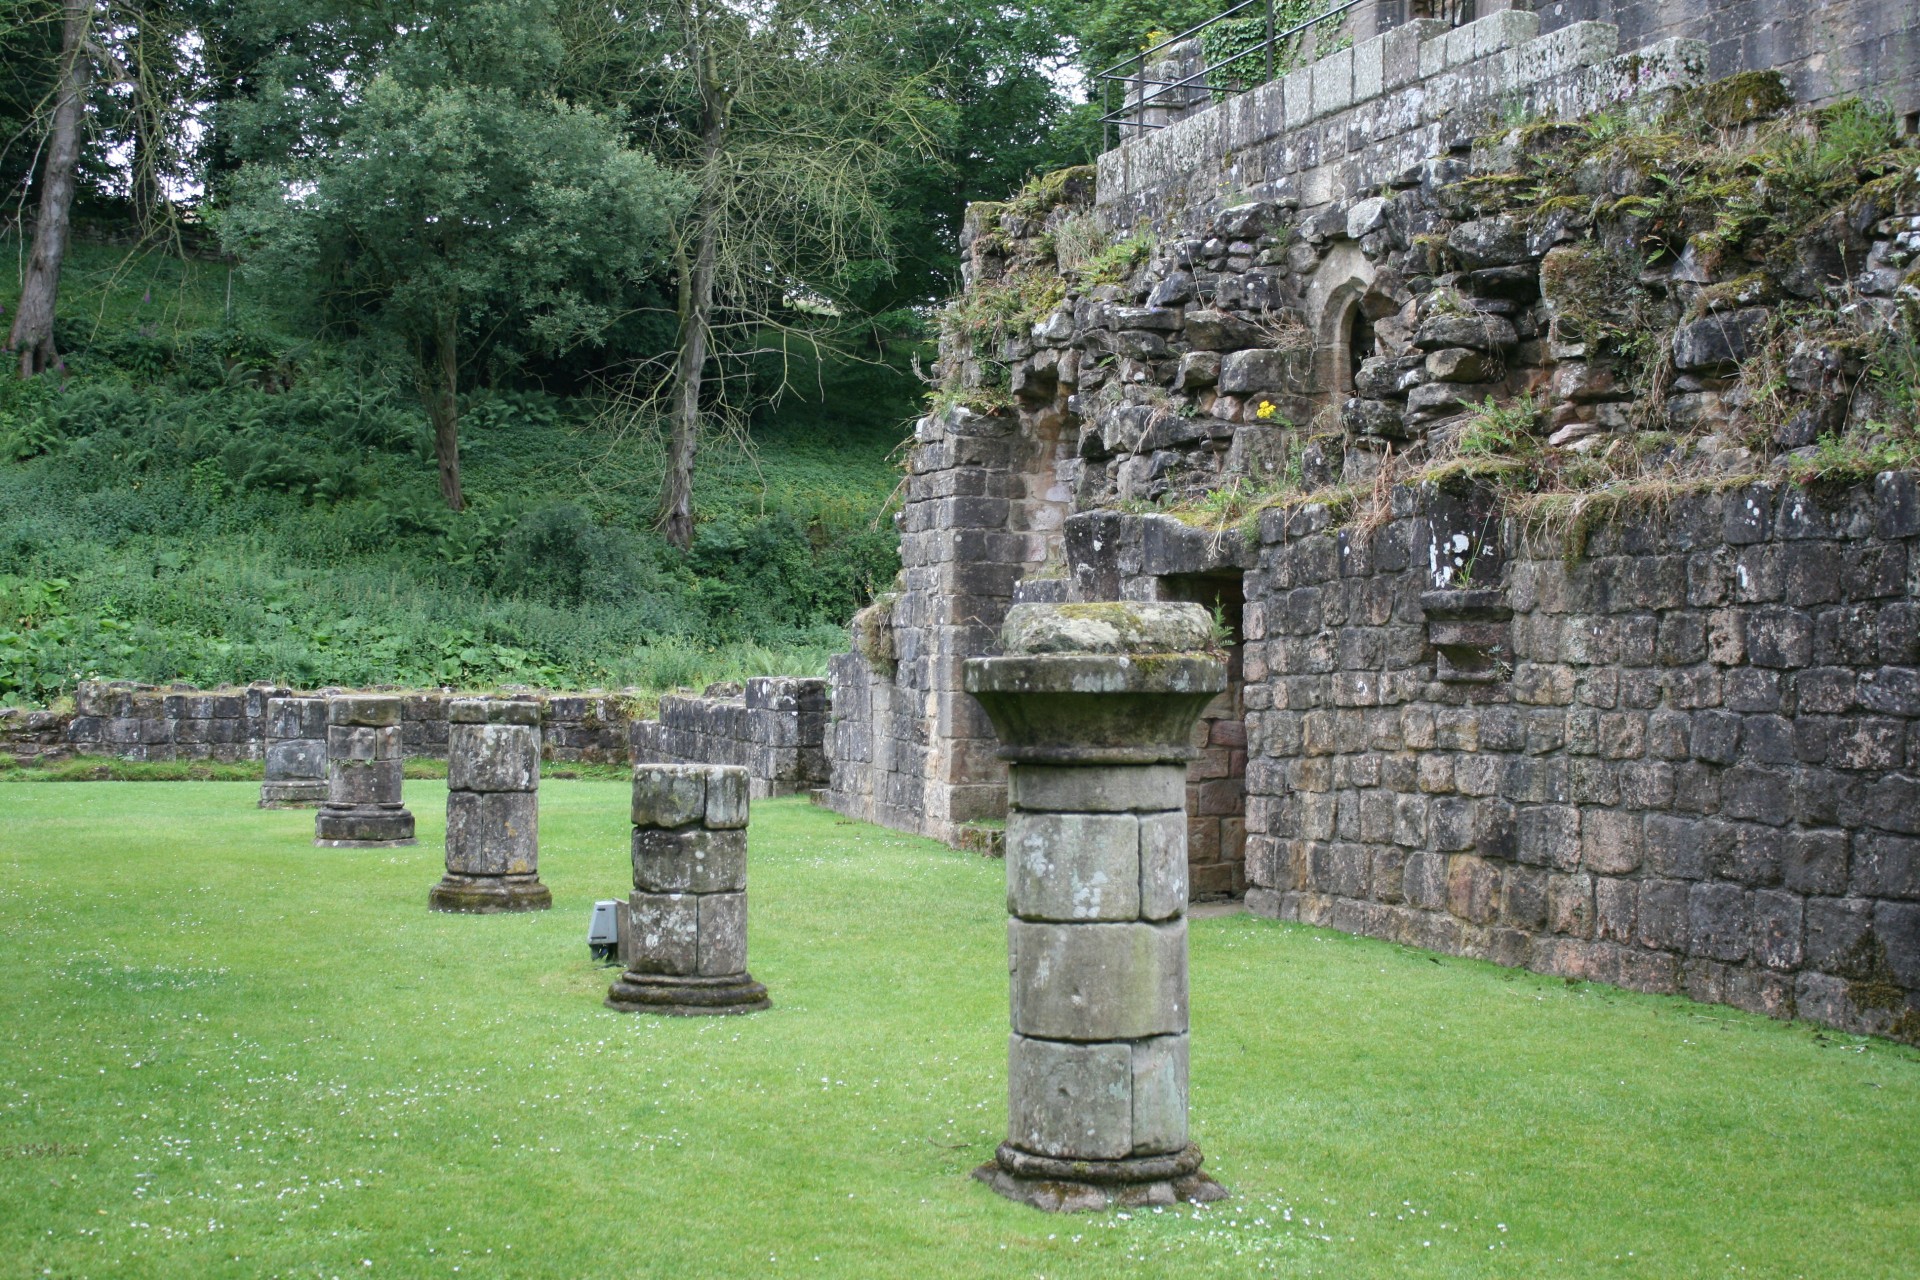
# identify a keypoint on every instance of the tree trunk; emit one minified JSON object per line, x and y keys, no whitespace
{"x":32,"y":334}
{"x":437,"y":362}
{"x":696,"y":312}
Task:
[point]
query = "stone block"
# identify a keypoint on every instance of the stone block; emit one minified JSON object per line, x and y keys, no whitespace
{"x":1119,"y":789}
{"x":1077,"y":866}
{"x":1333,"y":83}
{"x":360,"y":742}
{"x":1400,"y":54}
{"x":1159,"y":1095}
{"x":1098,"y":981}
{"x":516,"y":711}
{"x":363,"y":782}
{"x":689,"y":860}
{"x":377,"y":710}
{"x":369,"y":825}
{"x":1070,"y":1101}
{"x":1719,"y":922}
{"x":723,"y":934}
{"x":488,"y":756}
{"x":1570,"y":905}
{"x":1777,"y":929}
{"x":1886,"y":866}
{"x":293,"y":758}
{"x":1369,"y":69}
{"x":1163,"y":865}
{"x":663,"y":933}
{"x":1610,"y":841}
{"x":492,"y":833}
{"x":297,"y":718}
{"x":669,"y":795}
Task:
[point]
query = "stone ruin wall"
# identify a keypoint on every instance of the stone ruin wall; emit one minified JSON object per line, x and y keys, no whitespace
{"x":1682,"y":760}
{"x":772,"y":726}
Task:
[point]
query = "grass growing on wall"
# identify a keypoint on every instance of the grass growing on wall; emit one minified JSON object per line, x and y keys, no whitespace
{"x":227,"y":1053}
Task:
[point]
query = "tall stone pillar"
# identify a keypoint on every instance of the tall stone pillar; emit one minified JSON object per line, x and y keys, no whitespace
{"x":1094,"y":705}
{"x":493,"y":830}
{"x":363,"y":808}
{"x":687,"y":920}
{"x":296,"y":754}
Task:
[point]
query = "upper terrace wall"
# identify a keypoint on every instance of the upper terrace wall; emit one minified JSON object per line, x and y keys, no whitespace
{"x":1381,"y":114}
{"x":1869,"y":48}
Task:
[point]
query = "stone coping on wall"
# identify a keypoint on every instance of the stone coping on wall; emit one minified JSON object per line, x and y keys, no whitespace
{"x":1381,"y":112}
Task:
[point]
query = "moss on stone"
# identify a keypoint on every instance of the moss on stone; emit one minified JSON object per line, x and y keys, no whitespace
{"x":1739,"y":99}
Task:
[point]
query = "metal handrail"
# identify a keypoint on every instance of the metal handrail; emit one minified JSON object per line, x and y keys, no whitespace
{"x":1155,"y":89}
{"x":1130,"y":114}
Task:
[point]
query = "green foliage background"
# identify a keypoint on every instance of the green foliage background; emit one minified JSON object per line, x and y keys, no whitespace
{"x":205,"y":497}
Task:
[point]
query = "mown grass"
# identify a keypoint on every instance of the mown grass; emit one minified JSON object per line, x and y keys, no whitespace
{"x":227,"y":1053}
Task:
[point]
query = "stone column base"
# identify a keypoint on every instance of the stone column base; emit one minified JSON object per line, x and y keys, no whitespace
{"x":354,"y":828}
{"x":293,"y":795}
{"x":1076,"y":1186}
{"x":686,"y":997}
{"x":489,"y":895}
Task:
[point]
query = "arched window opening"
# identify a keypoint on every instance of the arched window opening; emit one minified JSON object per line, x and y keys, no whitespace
{"x":1360,"y":343}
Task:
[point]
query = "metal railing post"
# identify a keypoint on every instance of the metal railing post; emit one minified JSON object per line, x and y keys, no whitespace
{"x":1269,"y":79}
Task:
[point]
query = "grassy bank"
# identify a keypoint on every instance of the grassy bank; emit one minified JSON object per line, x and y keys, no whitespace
{"x":204,"y":496}
{"x":227,"y":1053}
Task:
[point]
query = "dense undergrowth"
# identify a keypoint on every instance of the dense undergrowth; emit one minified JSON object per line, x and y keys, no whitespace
{"x":200,"y":496}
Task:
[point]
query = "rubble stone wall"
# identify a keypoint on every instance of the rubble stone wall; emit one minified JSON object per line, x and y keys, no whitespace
{"x":772,"y":726}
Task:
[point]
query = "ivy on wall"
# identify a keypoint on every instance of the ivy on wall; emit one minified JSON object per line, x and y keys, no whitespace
{"x":1238,"y":36}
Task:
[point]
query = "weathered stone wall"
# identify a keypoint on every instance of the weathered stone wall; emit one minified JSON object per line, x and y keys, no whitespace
{"x":142,"y":722}
{"x":1865,"y":47}
{"x":1658,"y":762}
{"x":774,"y":727}
{"x":1696,"y":767}
{"x":27,"y":735}
{"x":1380,"y":113}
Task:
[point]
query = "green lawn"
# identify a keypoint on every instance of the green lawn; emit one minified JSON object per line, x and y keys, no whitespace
{"x":226,"y":1053}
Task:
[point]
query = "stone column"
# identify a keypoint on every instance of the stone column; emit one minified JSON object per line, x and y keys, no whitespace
{"x":363,"y":808}
{"x":296,"y":753}
{"x":493,"y":832}
{"x":687,"y":920}
{"x":1094,"y":705}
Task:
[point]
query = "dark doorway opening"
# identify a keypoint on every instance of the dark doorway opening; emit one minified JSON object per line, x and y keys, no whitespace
{"x":1217,"y":774}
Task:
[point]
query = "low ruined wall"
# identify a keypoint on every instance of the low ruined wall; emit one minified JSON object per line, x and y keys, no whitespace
{"x":178,"y":722}
{"x":772,"y":726}
{"x":1686,"y":761}
{"x":143,"y":722}
{"x":26,"y":735}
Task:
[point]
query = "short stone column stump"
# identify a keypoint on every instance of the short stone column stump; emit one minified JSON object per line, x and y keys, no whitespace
{"x":363,"y":808}
{"x":296,"y":755}
{"x":686,"y":940}
{"x":1094,"y":705}
{"x":493,"y":821}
